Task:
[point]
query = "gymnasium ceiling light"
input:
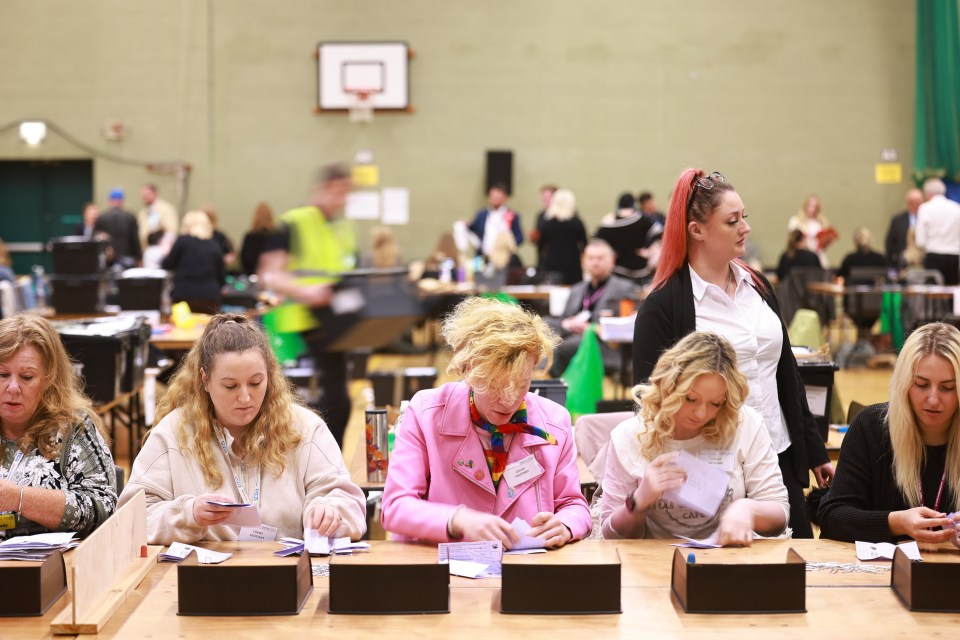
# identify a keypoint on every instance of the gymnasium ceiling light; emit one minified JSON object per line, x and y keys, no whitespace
{"x":33,"y":131}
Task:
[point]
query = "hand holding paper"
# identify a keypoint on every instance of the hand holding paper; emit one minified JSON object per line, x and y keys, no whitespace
{"x":209,"y":509}
{"x":661,"y":475}
{"x":548,"y":528}
{"x":704,"y":488}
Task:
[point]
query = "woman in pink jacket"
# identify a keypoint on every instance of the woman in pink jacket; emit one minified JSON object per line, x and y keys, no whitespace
{"x":474,"y":455}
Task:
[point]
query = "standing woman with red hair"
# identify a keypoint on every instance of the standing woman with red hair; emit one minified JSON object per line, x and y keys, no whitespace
{"x":702,"y":284}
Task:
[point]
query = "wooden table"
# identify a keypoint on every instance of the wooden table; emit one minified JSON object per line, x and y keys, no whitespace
{"x":177,"y":339}
{"x":857,"y":605}
{"x":358,"y":470}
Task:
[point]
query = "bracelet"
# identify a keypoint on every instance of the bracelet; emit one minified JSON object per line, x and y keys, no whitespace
{"x":450,"y":532}
{"x":20,"y":506}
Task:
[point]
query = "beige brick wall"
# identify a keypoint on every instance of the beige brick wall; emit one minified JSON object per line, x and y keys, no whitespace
{"x":784,"y":97}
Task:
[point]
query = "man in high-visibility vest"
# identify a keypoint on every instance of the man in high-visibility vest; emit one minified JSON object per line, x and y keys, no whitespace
{"x":316,"y":238}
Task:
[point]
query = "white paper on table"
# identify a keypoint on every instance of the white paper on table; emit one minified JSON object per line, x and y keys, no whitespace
{"x":707,"y":543}
{"x":54,"y":539}
{"x":524,"y":552}
{"x":617,"y":329}
{"x":704,"y":488}
{"x":318,"y":545}
{"x":467,"y":569}
{"x":396,"y":205}
{"x":558,"y":300}
{"x":885,"y":550}
{"x":521,"y":526}
{"x":178,"y":551}
{"x":817,"y":399}
{"x":248,"y":516}
{"x":363,"y":205}
{"x":206,"y":556}
{"x":486,"y":552}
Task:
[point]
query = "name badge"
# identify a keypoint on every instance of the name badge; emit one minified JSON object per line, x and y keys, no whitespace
{"x":722,"y":458}
{"x":521,"y":471}
{"x":262,"y":533}
{"x":7,"y":521}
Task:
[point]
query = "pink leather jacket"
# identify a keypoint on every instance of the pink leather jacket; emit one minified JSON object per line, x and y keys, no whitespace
{"x":438,"y":464}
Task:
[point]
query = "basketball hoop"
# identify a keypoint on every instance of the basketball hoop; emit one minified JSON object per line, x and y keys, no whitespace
{"x":360,"y":107}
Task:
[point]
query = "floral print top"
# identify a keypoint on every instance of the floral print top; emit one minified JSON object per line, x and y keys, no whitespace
{"x":83,"y":471}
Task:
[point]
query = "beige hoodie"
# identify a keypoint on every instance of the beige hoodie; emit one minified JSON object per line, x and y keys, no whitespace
{"x":314,"y":475}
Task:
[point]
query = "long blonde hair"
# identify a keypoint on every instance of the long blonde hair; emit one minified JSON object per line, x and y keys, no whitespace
{"x":62,"y":401}
{"x":492,"y":341}
{"x":909,"y":454}
{"x":563,"y":205}
{"x":197,"y":224}
{"x":697,"y":354}
{"x":270,"y":437}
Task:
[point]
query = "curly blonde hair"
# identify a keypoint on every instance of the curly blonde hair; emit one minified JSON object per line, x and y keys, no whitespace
{"x":492,"y":342}
{"x":270,"y":437}
{"x":697,"y":354}
{"x":63,"y":404}
{"x":909,"y":454}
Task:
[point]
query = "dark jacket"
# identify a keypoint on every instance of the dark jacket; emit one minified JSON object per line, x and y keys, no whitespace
{"x":864,"y":491}
{"x":198,"y":268}
{"x":668,"y":314}
{"x":896,"y":242}
{"x":122,"y":228}
{"x":479,"y":224}
{"x":253,"y":245}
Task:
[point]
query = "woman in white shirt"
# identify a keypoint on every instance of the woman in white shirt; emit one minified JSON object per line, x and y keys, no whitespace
{"x":702,"y":284}
{"x":694,"y":404}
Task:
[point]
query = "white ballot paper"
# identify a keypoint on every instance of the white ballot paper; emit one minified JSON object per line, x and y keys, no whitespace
{"x":521,"y":526}
{"x":704,"y":487}
{"x":243,"y":516}
{"x":488,"y":553}
{"x":885,"y":550}
{"x":179,"y":551}
{"x":318,"y":545}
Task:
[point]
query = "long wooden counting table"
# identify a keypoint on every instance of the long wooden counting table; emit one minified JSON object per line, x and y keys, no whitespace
{"x":854,"y":604}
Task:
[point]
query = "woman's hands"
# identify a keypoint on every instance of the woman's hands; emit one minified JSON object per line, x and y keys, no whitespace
{"x":206,"y":514}
{"x":736,"y":525}
{"x":663,"y":474}
{"x":470,"y":526}
{"x":325,"y":519}
{"x":548,"y":526}
{"x":919,"y":523}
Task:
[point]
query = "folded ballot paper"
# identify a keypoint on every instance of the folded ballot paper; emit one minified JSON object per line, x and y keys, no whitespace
{"x":885,"y":550}
{"x":178,"y":551}
{"x":38,"y":547}
{"x":484,"y":558}
{"x":318,"y":545}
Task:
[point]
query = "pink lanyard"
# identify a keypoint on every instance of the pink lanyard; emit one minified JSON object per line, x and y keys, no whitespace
{"x":936,"y":505}
{"x":589,"y":300}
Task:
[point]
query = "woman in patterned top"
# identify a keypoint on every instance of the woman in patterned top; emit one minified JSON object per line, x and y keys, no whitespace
{"x":58,"y":473}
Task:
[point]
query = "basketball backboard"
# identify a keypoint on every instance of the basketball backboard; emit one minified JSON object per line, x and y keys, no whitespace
{"x":375,"y":70}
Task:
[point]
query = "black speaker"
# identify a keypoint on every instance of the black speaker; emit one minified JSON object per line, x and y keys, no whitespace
{"x":500,"y":169}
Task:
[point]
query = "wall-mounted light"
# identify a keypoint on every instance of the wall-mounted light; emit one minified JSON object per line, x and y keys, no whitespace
{"x":33,"y":131}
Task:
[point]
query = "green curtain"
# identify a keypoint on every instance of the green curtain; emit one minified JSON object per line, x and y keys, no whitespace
{"x":937,"y":122}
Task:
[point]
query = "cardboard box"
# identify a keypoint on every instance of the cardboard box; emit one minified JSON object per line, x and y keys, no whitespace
{"x":590,"y":576}
{"x":925,"y":586}
{"x":37,"y":585}
{"x":253,"y":582}
{"x":378,"y":584}
{"x":710,"y":587}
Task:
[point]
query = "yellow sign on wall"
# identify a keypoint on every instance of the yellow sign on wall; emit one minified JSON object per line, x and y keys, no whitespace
{"x":365,"y":175}
{"x":888,"y":173}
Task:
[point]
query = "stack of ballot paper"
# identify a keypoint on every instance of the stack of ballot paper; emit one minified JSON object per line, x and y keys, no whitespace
{"x":484,"y":559}
{"x":179,"y":551}
{"x":318,"y":545}
{"x":37,"y":547}
{"x":885,"y":550}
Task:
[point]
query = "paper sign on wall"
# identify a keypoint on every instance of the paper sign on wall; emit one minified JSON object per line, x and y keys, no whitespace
{"x":396,"y":205}
{"x":363,"y":205}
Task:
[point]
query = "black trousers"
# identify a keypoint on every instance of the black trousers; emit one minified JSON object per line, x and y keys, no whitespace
{"x":946,"y":263}
{"x":334,"y":401}
{"x":799,"y":520}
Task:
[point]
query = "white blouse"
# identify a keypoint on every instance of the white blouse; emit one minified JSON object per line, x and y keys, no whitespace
{"x":756,"y":334}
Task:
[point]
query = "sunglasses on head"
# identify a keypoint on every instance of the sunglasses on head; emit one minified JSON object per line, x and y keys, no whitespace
{"x":705,"y":182}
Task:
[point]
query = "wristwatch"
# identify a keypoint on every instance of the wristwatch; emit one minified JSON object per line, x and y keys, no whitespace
{"x":631,"y":502}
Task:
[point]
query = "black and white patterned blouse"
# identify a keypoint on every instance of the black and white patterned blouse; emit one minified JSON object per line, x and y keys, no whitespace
{"x":83,"y":471}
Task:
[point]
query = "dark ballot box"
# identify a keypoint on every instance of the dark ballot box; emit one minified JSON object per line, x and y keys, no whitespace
{"x":370,"y":308}
{"x":113,"y":352}
{"x":818,"y":383}
{"x":76,"y":255}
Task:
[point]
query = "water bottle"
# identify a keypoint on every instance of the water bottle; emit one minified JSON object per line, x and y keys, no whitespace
{"x":39,"y":286}
{"x":377,"y":445}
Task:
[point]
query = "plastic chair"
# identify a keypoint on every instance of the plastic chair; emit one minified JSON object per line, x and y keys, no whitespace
{"x":805,"y":329}
{"x":793,"y":295}
{"x":921,"y":309}
{"x":864,"y":309}
{"x":591,"y":432}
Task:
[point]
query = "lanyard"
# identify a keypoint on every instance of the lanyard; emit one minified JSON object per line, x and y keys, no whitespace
{"x":588,"y":301}
{"x":936,"y":505}
{"x":17,"y":459}
{"x":243,"y":472}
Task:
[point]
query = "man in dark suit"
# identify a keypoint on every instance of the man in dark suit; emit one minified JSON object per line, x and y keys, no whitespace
{"x":496,"y":217}
{"x":121,"y":227}
{"x":900,"y":224}
{"x":600,"y":295}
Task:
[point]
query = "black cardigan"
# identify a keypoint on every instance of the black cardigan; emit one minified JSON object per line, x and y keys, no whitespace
{"x":668,"y":314}
{"x":864,"y":491}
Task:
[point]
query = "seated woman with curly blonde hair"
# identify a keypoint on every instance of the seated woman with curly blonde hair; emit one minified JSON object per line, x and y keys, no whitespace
{"x":694,"y":403}
{"x":232,"y":430}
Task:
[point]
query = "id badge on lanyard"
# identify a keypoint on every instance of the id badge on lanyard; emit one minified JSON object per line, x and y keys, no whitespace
{"x":241,"y":488}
